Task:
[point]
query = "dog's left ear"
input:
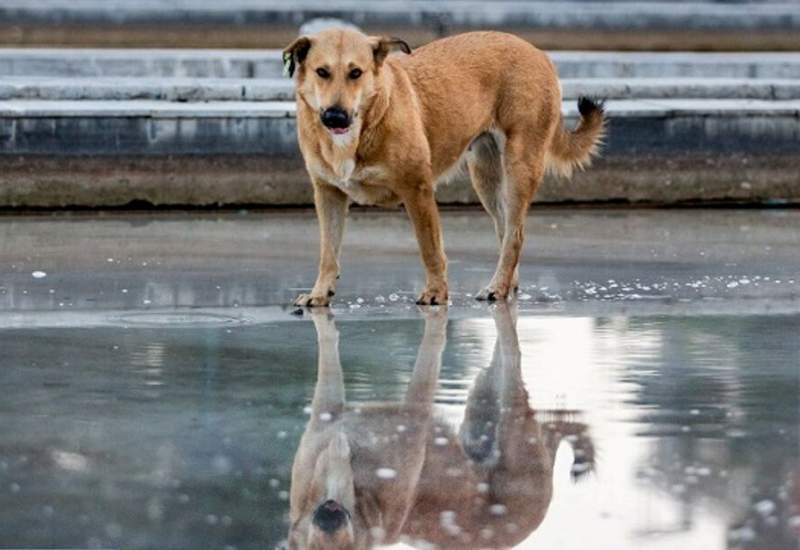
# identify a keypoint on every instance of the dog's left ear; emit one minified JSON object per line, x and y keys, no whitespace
{"x":295,"y":53}
{"x":382,"y":46}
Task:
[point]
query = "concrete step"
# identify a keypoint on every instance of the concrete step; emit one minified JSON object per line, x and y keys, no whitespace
{"x":267,"y":64}
{"x":455,"y":14}
{"x":281,"y":89}
{"x":149,"y":127}
{"x":166,"y":88}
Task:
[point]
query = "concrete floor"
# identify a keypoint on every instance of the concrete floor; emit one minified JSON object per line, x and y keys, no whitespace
{"x":157,"y":385}
{"x":593,"y":261}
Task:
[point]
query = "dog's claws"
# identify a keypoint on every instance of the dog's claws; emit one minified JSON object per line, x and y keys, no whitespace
{"x":487,"y":295}
{"x":432,"y":298}
{"x":311,"y":300}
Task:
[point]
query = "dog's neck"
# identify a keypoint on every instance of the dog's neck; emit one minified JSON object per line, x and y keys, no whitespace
{"x":376,"y":113}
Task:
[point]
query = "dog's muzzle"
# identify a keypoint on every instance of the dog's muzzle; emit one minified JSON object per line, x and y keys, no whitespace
{"x":330,"y":516}
{"x":336,"y":119}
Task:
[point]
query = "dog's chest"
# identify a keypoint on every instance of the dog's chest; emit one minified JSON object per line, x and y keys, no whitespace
{"x":365,"y":184}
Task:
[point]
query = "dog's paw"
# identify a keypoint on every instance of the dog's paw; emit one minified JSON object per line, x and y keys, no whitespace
{"x":312,"y":300}
{"x":492,"y":294}
{"x":433,"y":297}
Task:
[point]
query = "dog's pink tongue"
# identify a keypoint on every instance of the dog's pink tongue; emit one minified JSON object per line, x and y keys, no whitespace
{"x":340,"y":131}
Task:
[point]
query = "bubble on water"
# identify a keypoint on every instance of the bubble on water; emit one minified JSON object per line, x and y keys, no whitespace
{"x":764,"y":507}
{"x":14,"y":488}
{"x":183,"y":498}
{"x":155,"y":509}
{"x":307,"y":410}
{"x":47,"y":511}
{"x":497,"y":509}
{"x":401,"y":428}
{"x":525,"y":297}
{"x":447,"y":520}
{"x":222,"y":464}
{"x":377,"y":533}
{"x":283,"y":495}
{"x":440,"y":441}
{"x":380,"y":299}
{"x":282,"y":434}
{"x":482,"y":487}
{"x":227,"y":521}
{"x":38,"y":274}
{"x":274,"y":483}
{"x":744,"y":281}
{"x":732,"y":284}
{"x":212,"y":519}
{"x":744,"y":534}
{"x":326,"y":417}
{"x":359,"y":300}
{"x":110,"y":260}
{"x":386,"y":473}
{"x":393,"y":297}
{"x":694,"y":412}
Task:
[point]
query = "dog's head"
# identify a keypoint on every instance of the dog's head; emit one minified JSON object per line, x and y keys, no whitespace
{"x":337,"y":73}
{"x":325,"y":516}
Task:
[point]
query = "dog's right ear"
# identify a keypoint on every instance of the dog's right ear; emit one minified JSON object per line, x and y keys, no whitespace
{"x":294,"y":54}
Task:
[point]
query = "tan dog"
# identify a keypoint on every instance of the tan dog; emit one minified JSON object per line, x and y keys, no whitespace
{"x":382,"y":473}
{"x":382,"y":130}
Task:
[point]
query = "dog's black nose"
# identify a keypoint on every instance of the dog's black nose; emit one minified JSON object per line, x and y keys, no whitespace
{"x":335,"y":118}
{"x":330,"y":516}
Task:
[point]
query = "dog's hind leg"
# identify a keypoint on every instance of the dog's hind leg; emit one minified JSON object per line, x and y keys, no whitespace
{"x":523,"y":163}
{"x":485,"y":163}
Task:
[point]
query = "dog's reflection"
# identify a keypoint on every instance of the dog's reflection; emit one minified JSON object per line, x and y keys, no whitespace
{"x":382,"y":473}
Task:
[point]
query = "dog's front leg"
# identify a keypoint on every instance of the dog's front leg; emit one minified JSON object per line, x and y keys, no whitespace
{"x":331,"y":205}
{"x":421,"y":207}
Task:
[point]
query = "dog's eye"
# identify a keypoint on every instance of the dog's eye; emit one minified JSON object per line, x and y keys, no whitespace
{"x":354,"y":74}
{"x":323,"y":73}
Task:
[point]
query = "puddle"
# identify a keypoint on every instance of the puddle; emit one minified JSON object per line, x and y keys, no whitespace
{"x":180,"y":431}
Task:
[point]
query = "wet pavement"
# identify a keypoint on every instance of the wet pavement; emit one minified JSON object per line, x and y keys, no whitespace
{"x":642,"y":391}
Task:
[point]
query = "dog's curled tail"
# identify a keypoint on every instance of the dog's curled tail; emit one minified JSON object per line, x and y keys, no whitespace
{"x":575,"y":149}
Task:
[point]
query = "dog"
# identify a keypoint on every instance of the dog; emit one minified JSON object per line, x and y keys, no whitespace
{"x":381,"y":129}
{"x":376,"y":474}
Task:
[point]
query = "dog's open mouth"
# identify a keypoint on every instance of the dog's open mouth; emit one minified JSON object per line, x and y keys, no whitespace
{"x":339,"y":131}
